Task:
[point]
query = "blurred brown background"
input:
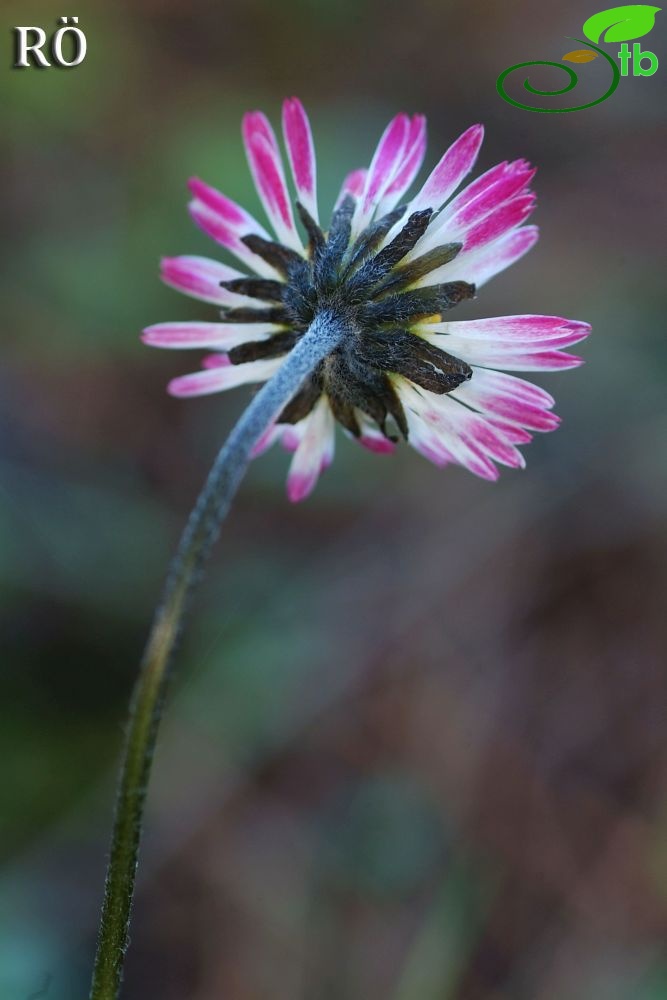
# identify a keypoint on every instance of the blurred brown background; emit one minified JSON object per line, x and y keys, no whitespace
{"x":417,"y":747}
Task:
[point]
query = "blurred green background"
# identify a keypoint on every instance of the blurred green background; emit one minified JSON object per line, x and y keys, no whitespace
{"x":417,"y":748}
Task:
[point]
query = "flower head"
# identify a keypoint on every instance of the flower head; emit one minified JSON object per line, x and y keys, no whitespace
{"x":387,"y":270}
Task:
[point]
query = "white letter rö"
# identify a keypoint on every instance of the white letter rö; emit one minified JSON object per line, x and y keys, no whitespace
{"x":31,"y":40}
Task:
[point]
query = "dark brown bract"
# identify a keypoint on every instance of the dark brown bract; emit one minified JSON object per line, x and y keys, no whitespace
{"x":371,"y":290}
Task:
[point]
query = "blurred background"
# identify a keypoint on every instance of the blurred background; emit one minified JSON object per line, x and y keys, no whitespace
{"x":417,"y":745}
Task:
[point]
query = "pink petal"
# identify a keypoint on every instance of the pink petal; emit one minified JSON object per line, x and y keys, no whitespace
{"x":510,"y":357}
{"x":222,"y":376}
{"x":510,"y":399}
{"x":258,"y":124}
{"x":301,"y":153}
{"x":377,"y":443}
{"x":444,"y":445}
{"x":479,"y":436}
{"x":199,"y":384}
{"x":268,"y":438}
{"x":512,"y":432}
{"x":216,"y":361}
{"x":353,"y":184}
{"x":290,"y":437}
{"x":498,"y":222}
{"x":523,"y":330}
{"x":516,"y":174}
{"x":432,"y":449}
{"x":447,"y":428}
{"x":547,"y":361}
{"x":214,"y":226}
{"x":479,"y":266}
{"x":424,"y":440}
{"x":487,"y":437}
{"x":450,"y":171}
{"x":314,"y":452}
{"x":267,"y":172}
{"x":230,"y":213}
{"x":385,"y":164}
{"x":413,"y":159}
{"x":518,"y":343}
{"x":200,"y":278}
{"x":478,"y":208}
{"x":197,"y":334}
{"x":371,"y":436}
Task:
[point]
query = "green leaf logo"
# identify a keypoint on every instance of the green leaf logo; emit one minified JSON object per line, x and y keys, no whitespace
{"x":621,"y":24}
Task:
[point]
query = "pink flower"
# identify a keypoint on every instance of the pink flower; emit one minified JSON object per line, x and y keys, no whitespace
{"x":389,"y":271}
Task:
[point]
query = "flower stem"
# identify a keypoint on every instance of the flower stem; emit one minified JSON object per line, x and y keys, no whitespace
{"x":151,"y":686}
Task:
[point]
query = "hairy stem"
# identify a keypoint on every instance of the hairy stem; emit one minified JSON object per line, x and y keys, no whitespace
{"x":150,"y":689}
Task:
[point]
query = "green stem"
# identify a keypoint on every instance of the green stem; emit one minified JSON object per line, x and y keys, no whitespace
{"x":151,"y":686}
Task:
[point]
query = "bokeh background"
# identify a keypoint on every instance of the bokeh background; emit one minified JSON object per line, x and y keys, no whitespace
{"x":417,"y":746}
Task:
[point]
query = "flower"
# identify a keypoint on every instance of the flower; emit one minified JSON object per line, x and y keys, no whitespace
{"x":389,"y":270}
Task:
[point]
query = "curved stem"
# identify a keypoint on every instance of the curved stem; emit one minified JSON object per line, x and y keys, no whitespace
{"x":151,"y":686}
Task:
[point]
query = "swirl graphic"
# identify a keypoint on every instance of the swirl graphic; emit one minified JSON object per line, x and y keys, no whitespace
{"x":571,"y":84}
